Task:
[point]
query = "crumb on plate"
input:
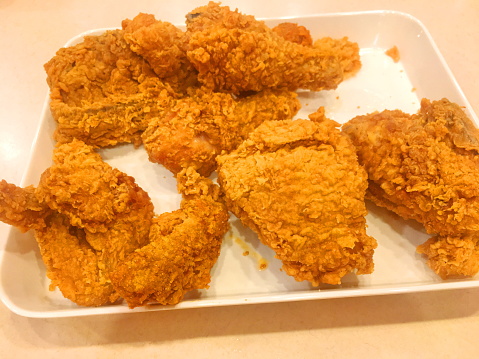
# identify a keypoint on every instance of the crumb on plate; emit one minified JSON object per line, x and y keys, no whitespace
{"x":393,"y":53}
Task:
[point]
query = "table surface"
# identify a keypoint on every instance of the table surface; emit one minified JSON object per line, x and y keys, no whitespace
{"x":441,"y":324}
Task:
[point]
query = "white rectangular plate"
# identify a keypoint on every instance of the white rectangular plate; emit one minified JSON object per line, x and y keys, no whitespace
{"x":237,"y":278}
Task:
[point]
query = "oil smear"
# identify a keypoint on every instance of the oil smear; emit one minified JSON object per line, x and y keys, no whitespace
{"x":248,"y":251}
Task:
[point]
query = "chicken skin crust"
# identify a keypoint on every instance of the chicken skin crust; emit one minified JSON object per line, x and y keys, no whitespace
{"x":425,"y":167}
{"x":295,"y":33}
{"x":235,"y":53}
{"x":198,"y":128}
{"x":20,"y":208}
{"x":102,"y":92}
{"x":162,"y":45}
{"x":86,"y":217}
{"x":183,"y":247}
{"x":299,"y":186}
{"x":346,"y":50}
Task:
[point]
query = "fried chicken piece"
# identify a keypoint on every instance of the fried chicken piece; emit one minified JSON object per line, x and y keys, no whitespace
{"x":20,"y":208}
{"x":184,"y":246}
{"x":112,"y":209}
{"x":200,"y":127}
{"x":162,"y":45}
{"x":72,"y":264}
{"x":83,"y":187}
{"x":346,"y":51}
{"x":102,"y":92}
{"x":452,"y":256}
{"x":299,"y":186}
{"x":425,"y":167}
{"x":235,"y":53}
{"x":295,"y":33}
{"x":86,"y":217}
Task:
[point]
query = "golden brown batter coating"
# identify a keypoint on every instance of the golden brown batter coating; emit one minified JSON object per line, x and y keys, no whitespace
{"x":425,"y":167}
{"x":198,"y":128}
{"x":235,"y":53}
{"x":299,"y":186}
{"x":102,"y":92}
{"x":184,"y":246}
{"x":86,"y":216}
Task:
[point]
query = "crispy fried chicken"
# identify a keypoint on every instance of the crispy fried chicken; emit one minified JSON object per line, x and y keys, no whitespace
{"x":299,"y":186}
{"x":235,"y":53}
{"x":425,"y":167}
{"x":201,"y":126}
{"x":102,"y":92}
{"x":86,"y":217}
{"x":162,"y":45}
{"x":184,"y":245}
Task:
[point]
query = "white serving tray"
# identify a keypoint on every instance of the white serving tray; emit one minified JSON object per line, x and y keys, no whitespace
{"x":237,"y":279}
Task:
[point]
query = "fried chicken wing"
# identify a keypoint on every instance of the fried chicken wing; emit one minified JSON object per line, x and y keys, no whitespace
{"x":72,"y":264}
{"x":425,"y":167}
{"x":299,"y":186}
{"x":102,"y":92}
{"x":201,"y":126}
{"x":86,"y":217}
{"x":184,"y":246}
{"x":235,"y":53}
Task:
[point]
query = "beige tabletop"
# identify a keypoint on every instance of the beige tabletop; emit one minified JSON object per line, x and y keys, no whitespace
{"x":442,"y":324}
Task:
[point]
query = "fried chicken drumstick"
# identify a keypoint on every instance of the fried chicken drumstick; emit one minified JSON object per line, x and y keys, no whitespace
{"x":299,"y":186}
{"x":235,"y":53}
{"x":425,"y":167}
